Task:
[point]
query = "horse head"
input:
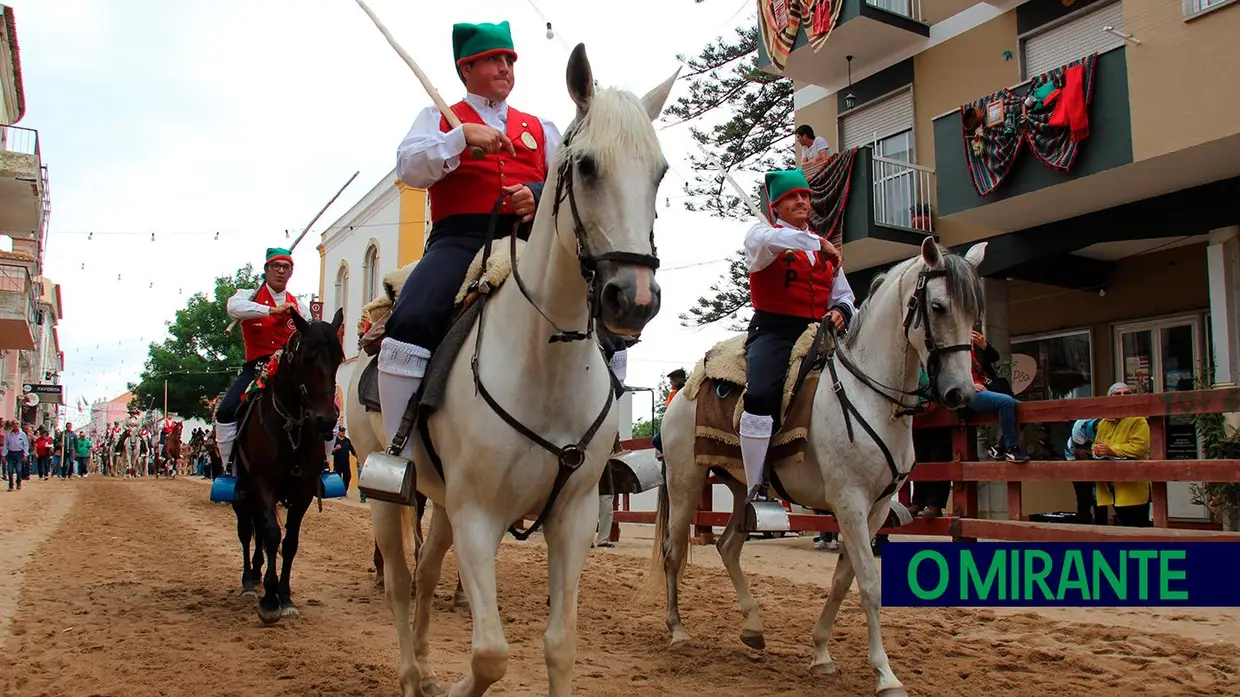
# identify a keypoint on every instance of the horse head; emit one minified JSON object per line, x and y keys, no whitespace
{"x":607,"y":174}
{"x":944,"y":305}
{"x":307,"y":373}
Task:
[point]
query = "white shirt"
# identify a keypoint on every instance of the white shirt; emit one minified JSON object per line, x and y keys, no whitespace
{"x":819,"y":146}
{"x":764,"y":242}
{"x":427,"y":154}
{"x":240,"y":307}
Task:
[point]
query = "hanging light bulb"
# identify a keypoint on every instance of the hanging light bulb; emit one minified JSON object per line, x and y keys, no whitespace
{"x":152,"y":285}
{"x":550,"y":34}
{"x":669,"y":202}
{"x":91,"y":236}
{"x":118,"y":277}
{"x":83,"y":266}
{"x":286,"y":233}
{"x":217,"y":236}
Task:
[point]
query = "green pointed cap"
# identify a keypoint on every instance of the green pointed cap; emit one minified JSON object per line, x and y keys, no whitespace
{"x":783,"y":182}
{"x":278,"y":254}
{"x":473,"y":41}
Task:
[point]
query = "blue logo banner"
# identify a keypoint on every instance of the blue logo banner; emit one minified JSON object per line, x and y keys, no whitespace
{"x":1061,"y":574}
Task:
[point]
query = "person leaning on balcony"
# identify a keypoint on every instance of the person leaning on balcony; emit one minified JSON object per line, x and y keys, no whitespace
{"x":1124,"y":439}
{"x":994,"y":396}
{"x":813,"y":148}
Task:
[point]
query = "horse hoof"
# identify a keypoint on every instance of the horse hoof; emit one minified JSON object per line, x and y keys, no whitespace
{"x":431,"y":687}
{"x":825,"y":669}
{"x":679,"y":643}
{"x":892,"y":692}
{"x":289,"y":611}
{"x":753,"y":641}
{"x":249,"y":593}
{"x":269,"y":616}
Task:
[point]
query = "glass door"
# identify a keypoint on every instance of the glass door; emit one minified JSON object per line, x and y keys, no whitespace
{"x":1164,"y":356}
{"x":895,"y":182}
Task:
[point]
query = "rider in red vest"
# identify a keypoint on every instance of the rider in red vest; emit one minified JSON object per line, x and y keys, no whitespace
{"x":266,"y":326}
{"x":463,"y":191}
{"x":795,"y":279}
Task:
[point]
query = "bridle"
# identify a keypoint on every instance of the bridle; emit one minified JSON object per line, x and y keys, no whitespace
{"x":294,"y":419}
{"x":571,"y":456}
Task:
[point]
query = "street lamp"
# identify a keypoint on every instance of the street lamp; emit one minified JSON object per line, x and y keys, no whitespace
{"x":850,"y":99}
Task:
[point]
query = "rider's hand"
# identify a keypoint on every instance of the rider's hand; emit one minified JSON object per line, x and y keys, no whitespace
{"x":522,"y":201}
{"x":281,"y":309}
{"x":979,"y":340}
{"x":831,"y":254}
{"x":487,"y":138}
{"x":836,"y":318}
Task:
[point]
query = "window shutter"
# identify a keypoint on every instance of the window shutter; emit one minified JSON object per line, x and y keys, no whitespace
{"x":886,"y":118}
{"x":1072,"y":40}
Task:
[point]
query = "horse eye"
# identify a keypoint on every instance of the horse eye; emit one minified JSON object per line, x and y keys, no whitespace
{"x":938,"y":307}
{"x":585,"y":165}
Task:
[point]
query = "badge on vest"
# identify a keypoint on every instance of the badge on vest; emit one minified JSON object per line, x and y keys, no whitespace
{"x":529,"y":141}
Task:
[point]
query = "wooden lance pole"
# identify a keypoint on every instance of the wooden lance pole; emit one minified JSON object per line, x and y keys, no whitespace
{"x":753,"y":205}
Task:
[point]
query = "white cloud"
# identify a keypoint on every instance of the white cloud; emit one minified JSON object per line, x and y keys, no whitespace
{"x":245,"y":117}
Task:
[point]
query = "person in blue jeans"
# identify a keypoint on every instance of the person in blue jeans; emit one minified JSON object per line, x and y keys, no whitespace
{"x":994,"y":396}
{"x":16,"y":447}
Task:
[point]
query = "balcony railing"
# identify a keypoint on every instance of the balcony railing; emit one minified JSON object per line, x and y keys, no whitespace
{"x":19,"y":140}
{"x":910,"y":8}
{"x":902,"y":195}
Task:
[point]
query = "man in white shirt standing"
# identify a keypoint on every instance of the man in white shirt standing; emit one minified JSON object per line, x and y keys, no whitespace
{"x":266,"y":326}
{"x":795,"y":279}
{"x":813,"y":148}
{"x":463,"y":191}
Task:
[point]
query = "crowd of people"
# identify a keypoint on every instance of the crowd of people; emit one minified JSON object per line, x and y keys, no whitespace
{"x":38,"y":453}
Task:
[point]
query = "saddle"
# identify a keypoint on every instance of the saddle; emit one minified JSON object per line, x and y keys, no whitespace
{"x":480,"y":279}
{"x":717,"y":386}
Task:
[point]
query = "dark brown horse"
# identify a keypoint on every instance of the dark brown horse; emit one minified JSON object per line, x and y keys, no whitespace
{"x":280,"y":457}
{"x":172,"y":448}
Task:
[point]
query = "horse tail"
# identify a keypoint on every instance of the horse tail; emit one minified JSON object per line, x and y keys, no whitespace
{"x":657,"y":578}
{"x":419,"y":507}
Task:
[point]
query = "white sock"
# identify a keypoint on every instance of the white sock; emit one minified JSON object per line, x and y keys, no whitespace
{"x":401,"y":368}
{"x":327,"y":447}
{"x":755,"y":433}
{"x":225,"y":436}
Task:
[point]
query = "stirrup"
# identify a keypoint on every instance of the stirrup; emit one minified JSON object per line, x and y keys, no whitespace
{"x":764,"y":514}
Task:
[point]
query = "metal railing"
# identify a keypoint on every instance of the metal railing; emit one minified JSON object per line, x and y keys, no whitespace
{"x":912,"y":8}
{"x":18,"y":139}
{"x":16,"y":280}
{"x":902,"y":195}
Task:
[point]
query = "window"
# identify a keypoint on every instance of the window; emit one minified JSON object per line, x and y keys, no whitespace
{"x":1076,"y":38}
{"x":370,"y":273}
{"x":1196,"y":7}
{"x":1055,"y":366}
{"x":342,"y":288}
{"x":894,"y":183}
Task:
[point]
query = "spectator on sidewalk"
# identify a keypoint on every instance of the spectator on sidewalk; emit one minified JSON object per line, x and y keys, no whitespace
{"x":82,"y":450}
{"x":16,"y":449}
{"x":341,"y":450}
{"x":43,"y":454}
{"x":1124,"y":439}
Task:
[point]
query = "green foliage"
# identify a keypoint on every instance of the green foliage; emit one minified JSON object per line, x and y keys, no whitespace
{"x":1220,"y":442}
{"x":199,"y":358}
{"x":755,"y":136}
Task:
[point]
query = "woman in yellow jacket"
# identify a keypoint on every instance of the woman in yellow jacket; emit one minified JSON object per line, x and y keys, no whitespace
{"x":1127,"y":438}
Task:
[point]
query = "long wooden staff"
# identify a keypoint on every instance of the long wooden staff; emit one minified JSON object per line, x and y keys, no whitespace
{"x":753,"y":205}
{"x":453,"y":121}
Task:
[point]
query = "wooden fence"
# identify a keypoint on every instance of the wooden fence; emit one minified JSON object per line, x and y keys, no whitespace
{"x":965,"y":471}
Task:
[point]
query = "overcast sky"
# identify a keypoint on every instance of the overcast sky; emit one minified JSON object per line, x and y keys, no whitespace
{"x":188,"y":118}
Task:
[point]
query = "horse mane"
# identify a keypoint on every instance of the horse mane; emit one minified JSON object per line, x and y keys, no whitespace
{"x":964,"y":287}
{"x":318,"y":335}
{"x":616,"y":128}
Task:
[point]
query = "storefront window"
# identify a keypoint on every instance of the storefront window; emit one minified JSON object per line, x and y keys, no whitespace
{"x":1052,"y":367}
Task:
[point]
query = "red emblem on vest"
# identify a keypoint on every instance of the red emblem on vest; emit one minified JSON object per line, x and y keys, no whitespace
{"x":792,"y":286}
{"x":474,"y":186}
{"x":266,"y":335}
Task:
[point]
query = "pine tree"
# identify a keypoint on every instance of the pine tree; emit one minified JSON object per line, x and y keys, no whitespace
{"x":755,"y":136}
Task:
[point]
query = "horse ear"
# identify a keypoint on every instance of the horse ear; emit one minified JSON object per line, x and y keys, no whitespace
{"x":930,"y":253}
{"x":580,"y":79}
{"x":298,"y":321}
{"x":976,"y":254}
{"x":657,"y":97}
{"x":338,"y":318}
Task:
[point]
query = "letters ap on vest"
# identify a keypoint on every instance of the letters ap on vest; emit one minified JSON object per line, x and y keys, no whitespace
{"x":474,"y":186}
{"x":265,"y":335}
{"x":792,"y":286}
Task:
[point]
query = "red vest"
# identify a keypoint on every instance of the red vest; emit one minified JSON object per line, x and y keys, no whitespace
{"x":791,"y":286}
{"x":475,"y":184}
{"x":266,"y":335}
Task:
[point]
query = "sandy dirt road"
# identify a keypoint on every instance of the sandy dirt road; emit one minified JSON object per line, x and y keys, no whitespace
{"x":131,"y":588}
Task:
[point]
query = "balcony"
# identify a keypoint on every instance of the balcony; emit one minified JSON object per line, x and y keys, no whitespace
{"x":1032,"y":193}
{"x":22,"y":183}
{"x":867,"y":30}
{"x":17,"y":308}
{"x":888,"y":212}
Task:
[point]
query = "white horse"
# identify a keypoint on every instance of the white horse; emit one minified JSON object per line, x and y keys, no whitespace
{"x":590,"y":257}
{"x":878,"y":365}
{"x":135,"y":465}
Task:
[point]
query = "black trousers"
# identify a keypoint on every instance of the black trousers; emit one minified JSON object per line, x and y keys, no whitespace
{"x":1087,"y":511}
{"x":767,"y":351}
{"x":423,"y":310}
{"x":226,"y":412}
{"x":932,"y":445}
{"x":1137,"y":516}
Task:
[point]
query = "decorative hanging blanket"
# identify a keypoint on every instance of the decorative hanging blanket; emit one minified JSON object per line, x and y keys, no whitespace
{"x":778,"y":21}
{"x":829,"y":185}
{"x":1051,"y":117}
{"x":822,"y":16}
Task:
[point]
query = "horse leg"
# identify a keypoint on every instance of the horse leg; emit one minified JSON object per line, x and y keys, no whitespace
{"x":245,"y":532}
{"x":393,"y":527}
{"x":477,"y":542}
{"x":858,"y":523}
{"x":292,"y":536}
{"x":269,"y":529}
{"x":378,"y":562}
{"x":729,"y":546}
{"x":680,"y":495}
{"x":568,"y":537}
{"x":459,"y":600}
{"x":429,"y":569}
